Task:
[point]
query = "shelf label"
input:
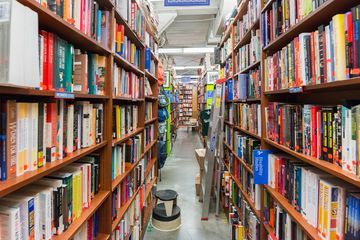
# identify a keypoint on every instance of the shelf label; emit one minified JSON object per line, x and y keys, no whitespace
{"x":64,"y":95}
{"x":261,"y":158}
{"x":296,"y":90}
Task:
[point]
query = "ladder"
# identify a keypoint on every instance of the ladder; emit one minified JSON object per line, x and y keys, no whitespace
{"x":214,"y":151}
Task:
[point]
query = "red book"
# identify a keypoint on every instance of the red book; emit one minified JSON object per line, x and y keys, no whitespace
{"x":325,"y":56}
{"x":51,"y":132}
{"x":314,"y":130}
{"x":82,"y":16}
{"x":350,"y":45}
{"x":50,"y":59}
{"x":43,"y":83}
{"x":312,"y":47}
{"x":297,"y":61}
{"x":281,"y":126}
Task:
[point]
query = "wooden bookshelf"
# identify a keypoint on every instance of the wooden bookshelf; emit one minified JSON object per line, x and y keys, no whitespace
{"x":150,"y":76}
{"x":127,"y":136}
{"x":152,"y":120}
{"x":330,"y":93}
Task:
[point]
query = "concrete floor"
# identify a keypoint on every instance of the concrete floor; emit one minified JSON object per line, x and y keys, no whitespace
{"x":179,"y":174}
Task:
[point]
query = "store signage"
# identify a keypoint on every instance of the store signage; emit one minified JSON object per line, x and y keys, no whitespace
{"x":261,"y":158}
{"x":172,"y":3}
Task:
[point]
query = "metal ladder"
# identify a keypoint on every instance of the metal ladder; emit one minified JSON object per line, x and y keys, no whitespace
{"x":214,"y":151}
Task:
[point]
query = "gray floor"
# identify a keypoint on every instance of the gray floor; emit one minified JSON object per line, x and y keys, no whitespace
{"x":179,"y":174}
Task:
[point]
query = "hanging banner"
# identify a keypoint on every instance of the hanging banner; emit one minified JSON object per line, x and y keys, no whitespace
{"x":261,"y":166}
{"x":186,"y":3}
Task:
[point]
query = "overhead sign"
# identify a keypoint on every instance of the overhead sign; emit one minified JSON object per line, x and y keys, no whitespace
{"x":261,"y":166}
{"x":172,"y":3}
{"x":185,"y":79}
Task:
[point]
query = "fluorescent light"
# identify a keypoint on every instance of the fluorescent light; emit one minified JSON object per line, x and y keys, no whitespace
{"x":187,"y":67}
{"x":198,"y":50}
{"x":170,"y":50}
{"x":187,"y":76}
{"x":179,"y":68}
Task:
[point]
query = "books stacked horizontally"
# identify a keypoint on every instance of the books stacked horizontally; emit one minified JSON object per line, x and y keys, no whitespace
{"x":329,"y":54}
{"x":49,"y":206}
{"x":124,"y":47}
{"x":33,"y":134}
{"x":329,"y":133}
{"x":125,"y":120}
{"x":126,"y":83}
{"x":248,"y":117}
{"x":325,"y":202}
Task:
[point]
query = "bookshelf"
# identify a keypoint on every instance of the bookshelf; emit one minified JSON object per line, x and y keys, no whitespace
{"x":338,"y":91}
{"x":102,"y":202}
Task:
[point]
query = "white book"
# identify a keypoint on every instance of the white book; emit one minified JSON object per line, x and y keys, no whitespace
{"x":10,"y":223}
{"x":70,"y":129}
{"x":328,"y":54}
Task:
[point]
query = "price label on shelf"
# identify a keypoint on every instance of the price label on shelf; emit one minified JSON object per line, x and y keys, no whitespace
{"x":64,"y":95}
{"x":296,"y":90}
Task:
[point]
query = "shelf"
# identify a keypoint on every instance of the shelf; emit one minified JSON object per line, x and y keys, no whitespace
{"x":267,"y":5}
{"x":96,"y":202}
{"x":150,"y":121}
{"x":321,"y":15}
{"x":226,"y":59}
{"x":248,"y":100}
{"x":247,"y":36}
{"x":149,"y":166}
{"x":147,"y":218}
{"x":250,"y":67}
{"x":51,"y":22}
{"x":247,"y":132}
{"x":247,"y":167}
{"x":148,"y":147}
{"x":128,"y":99}
{"x":127,"y":136}
{"x":102,"y":236}
{"x":127,"y":65}
{"x":149,"y":187}
{"x":150,"y":98}
{"x":16,"y":183}
{"x":151,"y":77}
{"x":242,"y":9}
{"x":295,"y":215}
{"x":323,"y":165}
{"x":154,"y":57}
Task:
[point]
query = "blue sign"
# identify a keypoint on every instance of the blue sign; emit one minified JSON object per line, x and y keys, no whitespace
{"x":64,"y":95}
{"x":182,"y":3}
{"x":261,"y":164}
{"x":210,"y":94}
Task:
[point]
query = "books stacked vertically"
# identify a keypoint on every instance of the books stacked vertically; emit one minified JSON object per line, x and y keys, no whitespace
{"x":89,"y":230}
{"x":328,"y":133}
{"x":320,"y":198}
{"x":124,"y":47}
{"x":148,"y":111}
{"x":36,"y":133}
{"x":147,"y":89}
{"x":237,"y":230}
{"x":226,"y":50}
{"x":19,"y":39}
{"x":228,"y":135}
{"x":149,"y":134}
{"x":151,"y":43}
{"x":283,"y":15}
{"x":149,"y":62}
{"x":244,"y":147}
{"x":247,"y":85}
{"x":125,"y":120}
{"x":50,"y":205}
{"x":249,"y":53}
{"x":126,"y":84}
{"x":248,"y":117}
{"x":245,"y":23}
{"x":329,"y":54}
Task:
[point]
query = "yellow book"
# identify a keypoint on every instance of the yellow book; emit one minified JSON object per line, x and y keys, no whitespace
{"x":326,"y":211}
{"x":339,"y":46}
{"x":22,"y":151}
{"x":321,"y":207}
{"x":240,"y":232}
{"x":117,"y":114}
{"x":94,"y":126}
{"x":33,"y":138}
{"x":118,"y":41}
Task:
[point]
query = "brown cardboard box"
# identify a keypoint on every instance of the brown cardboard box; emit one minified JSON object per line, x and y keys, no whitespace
{"x":200,"y":157}
{"x":197,"y":184}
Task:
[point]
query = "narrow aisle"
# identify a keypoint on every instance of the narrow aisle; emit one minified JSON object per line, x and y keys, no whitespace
{"x":179,"y":174}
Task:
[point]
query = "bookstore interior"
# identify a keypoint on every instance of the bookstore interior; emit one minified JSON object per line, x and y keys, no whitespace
{"x":180,"y":119}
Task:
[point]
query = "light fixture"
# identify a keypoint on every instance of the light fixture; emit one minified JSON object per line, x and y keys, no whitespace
{"x":187,"y":67}
{"x":198,"y":50}
{"x":187,"y":76}
{"x":186,"y":50}
{"x":170,"y":50}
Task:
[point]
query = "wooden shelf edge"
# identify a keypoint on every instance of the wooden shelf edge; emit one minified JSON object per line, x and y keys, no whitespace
{"x":248,"y":68}
{"x":150,"y":76}
{"x":150,"y":121}
{"x":127,"y":136}
{"x":247,"y":36}
{"x":128,"y":99}
{"x":16,"y":183}
{"x":147,"y":216}
{"x":247,"y":167}
{"x":127,"y":65}
{"x":96,"y":202}
{"x":151,"y":98}
{"x":295,"y":215}
{"x":247,"y":132}
{"x":330,"y":168}
{"x":122,"y":176}
{"x":102,"y":236}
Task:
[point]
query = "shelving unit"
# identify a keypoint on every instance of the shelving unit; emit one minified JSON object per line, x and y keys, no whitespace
{"x":102,"y":201}
{"x":330,"y":93}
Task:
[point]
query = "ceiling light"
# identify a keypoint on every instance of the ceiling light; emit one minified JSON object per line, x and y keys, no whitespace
{"x":186,"y":50}
{"x":198,"y":50}
{"x":187,"y":76}
{"x":170,"y":50}
{"x":187,"y":67}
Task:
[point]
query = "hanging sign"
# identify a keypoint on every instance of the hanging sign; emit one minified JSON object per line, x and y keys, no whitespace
{"x":172,"y":3}
{"x":261,"y":166}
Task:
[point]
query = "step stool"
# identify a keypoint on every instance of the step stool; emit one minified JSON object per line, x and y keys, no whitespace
{"x":166,"y":214}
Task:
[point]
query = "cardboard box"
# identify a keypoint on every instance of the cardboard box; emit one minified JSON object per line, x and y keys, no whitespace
{"x":200,"y":157}
{"x":197,"y":184}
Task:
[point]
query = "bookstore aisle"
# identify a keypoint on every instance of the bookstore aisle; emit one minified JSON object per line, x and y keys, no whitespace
{"x":178,"y":174}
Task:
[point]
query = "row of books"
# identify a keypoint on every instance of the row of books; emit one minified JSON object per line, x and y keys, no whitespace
{"x":131,"y":12}
{"x":244,"y":147}
{"x":284,"y":14}
{"x":125,"y":120}
{"x":126,"y":83}
{"x":124,"y":47}
{"x":148,"y":90}
{"x":328,"y":133}
{"x":237,"y":230}
{"x":248,"y":117}
{"x":50,"y":205}
{"x":226,"y":50}
{"x":328,"y":54}
{"x":227,"y":70}
{"x":149,"y":62}
{"x":151,"y":43}
{"x":33,"y":134}
{"x":245,"y":23}
{"x":89,"y":230}
{"x":149,"y":134}
{"x":319,"y":197}
{"x":284,"y":226}
{"x":247,"y":85}
{"x":125,"y":155}
{"x":249,"y":53}
{"x":148,"y":111}
{"x":85,"y":15}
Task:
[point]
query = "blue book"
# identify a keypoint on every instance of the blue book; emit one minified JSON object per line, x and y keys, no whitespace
{"x":147,"y":59}
{"x":243,"y":80}
{"x":98,"y":35}
{"x":3,"y":146}
{"x":230,"y":89}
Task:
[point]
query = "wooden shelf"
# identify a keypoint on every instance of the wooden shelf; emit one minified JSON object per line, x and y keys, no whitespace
{"x":51,"y":22}
{"x":147,"y":122}
{"x":247,"y":167}
{"x":323,"y":165}
{"x":247,"y":132}
{"x":250,"y":67}
{"x":150,"y":77}
{"x":267,"y":5}
{"x":226,"y":59}
{"x":149,"y":166}
{"x":121,"y":177}
{"x":247,"y":36}
{"x":248,"y":100}
{"x":127,"y":136}
{"x":148,"y":147}
{"x":149,"y":187}
{"x":128,"y":99}
{"x":150,"y":98}
{"x":322,"y":15}
{"x":96,"y":202}
{"x":295,"y":215}
{"x":102,"y":236}
{"x":147,"y":218}
{"x":16,"y":183}
{"x":154,"y":57}
{"x":127,"y":65}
